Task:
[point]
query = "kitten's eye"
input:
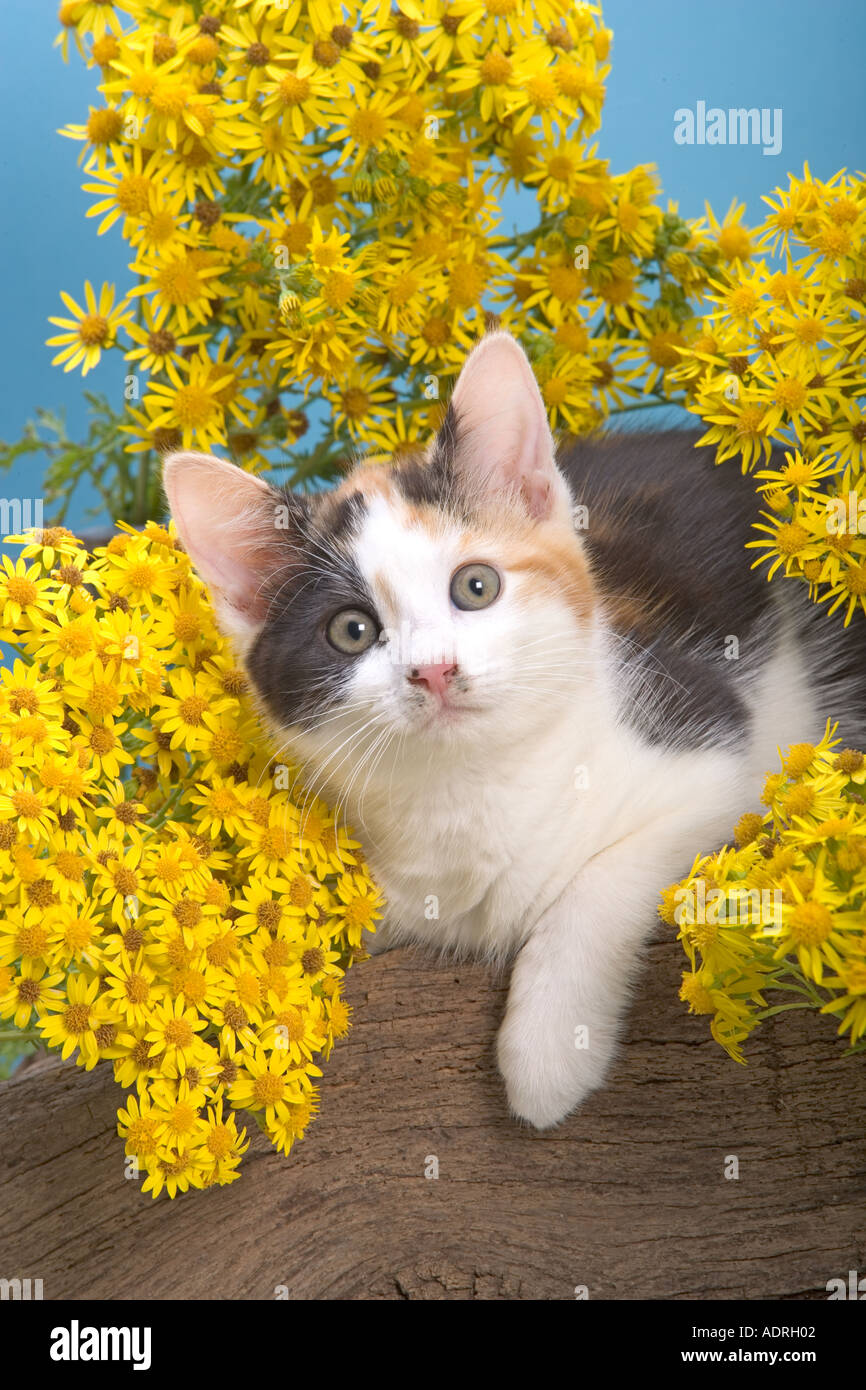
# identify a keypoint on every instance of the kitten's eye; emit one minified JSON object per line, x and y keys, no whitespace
{"x":352,"y":631}
{"x":475,"y":586}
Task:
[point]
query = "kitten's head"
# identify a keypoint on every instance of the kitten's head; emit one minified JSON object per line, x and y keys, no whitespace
{"x":445,"y":600}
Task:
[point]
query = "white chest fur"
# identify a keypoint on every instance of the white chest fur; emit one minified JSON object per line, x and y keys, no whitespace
{"x":470,"y":851}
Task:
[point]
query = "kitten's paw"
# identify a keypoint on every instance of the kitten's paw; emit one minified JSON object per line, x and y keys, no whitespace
{"x":546,"y":1078}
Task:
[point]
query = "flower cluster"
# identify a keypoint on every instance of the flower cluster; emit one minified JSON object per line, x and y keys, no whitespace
{"x":779,"y":363}
{"x":167,"y":906}
{"x":311,"y":192}
{"x":783,"y":909}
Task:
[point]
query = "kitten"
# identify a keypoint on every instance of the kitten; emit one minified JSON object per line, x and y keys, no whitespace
{"x":516,"y":678}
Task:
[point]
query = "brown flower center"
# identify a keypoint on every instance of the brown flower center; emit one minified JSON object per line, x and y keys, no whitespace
{"x":313,"y":961}
{"x":77,"y":1019}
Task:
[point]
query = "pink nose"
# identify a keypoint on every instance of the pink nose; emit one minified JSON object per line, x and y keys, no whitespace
{"x":437,"y":677}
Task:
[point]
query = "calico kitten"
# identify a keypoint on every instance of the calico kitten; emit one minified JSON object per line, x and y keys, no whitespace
{"x":535,"y":689}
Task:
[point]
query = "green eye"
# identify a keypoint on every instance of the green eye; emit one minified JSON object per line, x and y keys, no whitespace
{"x":352,"y":631}
{"x":475,"y":586}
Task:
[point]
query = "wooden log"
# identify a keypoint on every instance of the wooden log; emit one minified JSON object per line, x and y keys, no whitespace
{"x":627,"y":1198}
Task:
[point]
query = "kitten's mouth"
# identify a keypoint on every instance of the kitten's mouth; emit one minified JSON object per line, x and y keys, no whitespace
{"x":446,"y":712}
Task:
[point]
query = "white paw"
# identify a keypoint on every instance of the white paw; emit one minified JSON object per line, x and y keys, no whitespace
{"x":545,"y":1076}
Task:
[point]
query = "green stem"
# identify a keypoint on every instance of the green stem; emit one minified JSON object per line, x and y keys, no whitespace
{"x":141,"y":490}
{"x":783,"y":1008}
{"x":163,"y":814}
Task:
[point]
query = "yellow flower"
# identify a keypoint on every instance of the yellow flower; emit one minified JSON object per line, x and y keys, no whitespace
{"x":30,"y":992}
{"x":157,"y":343}
{"x":175,"y":1170}
{"x":328,"y":844}
{"x":191,"y":402}
{"x":364,"y":124}
{"x":101,"y":136}
{"x":139,"y":1124}
{"x":69,"y":643}
{"x":697,"y":993}
{"x":317,"y":958}
{"x":136,"y":573}
{"x":74,"y":934}
{"x":24,"y":595}
{"x":90,"y":331}
{"x":255,"y":44}
{"x":268,"y":1083}
{"x":138,"y":1066}
{"x":295,"y":99}
{"x":789,"y":545}
{"x":103,"y":741}
{"x":126,"y":190}
{"x":845,"y":436}
{"x":157,"y":748}
{"x":358,"y":906}
{"x":132,"y":987}
{"x":283,"y":1133}
{"x":184,"y":281}
{"x":174,"y":1030}
{"x":126,"y":814}
{"x":339,"y":1016}
{"x":222,"y":807}
{"x":732,"y":238}
{"x":849,"y":590}
{"x":801,"y":475}
{"x":293,"y":1030}
{"x":222,"y":1146}
{"x":73,"y":1022}
{"x":118,"y":880}
{"x":190,"y":711}
{"x":26,"y":693}
{"x":96,"y":18}
{"x":28,"y":810}
{"x":269,"y":905}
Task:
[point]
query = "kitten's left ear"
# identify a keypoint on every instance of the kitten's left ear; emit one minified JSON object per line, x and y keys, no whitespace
{"x":504,"y":444}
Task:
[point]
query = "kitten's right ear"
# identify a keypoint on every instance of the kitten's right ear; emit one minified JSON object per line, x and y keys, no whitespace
{"x":228,"y":523}
{"x":504,"y":445}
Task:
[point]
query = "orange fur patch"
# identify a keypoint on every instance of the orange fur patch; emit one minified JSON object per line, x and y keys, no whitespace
{"x":369,"y":482}
{"x":549,"y":558}
{"x":383,"y":590}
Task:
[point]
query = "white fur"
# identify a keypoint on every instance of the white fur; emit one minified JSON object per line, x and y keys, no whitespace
{"x":482,"y":833}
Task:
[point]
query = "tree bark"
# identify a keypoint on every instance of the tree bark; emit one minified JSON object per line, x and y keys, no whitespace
{"x":627,"y":1199}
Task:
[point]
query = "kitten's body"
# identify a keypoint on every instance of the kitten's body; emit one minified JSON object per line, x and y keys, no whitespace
{"x":667,"y":714}
{"x":612,"y":712}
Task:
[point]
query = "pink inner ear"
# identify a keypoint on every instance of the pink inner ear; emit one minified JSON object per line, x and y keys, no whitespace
{"x":537,"y":493}
{"x":504,"y":423}
{"x":226,"y":519}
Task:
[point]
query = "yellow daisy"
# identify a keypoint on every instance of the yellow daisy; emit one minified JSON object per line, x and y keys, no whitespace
{"x":90,"y":331}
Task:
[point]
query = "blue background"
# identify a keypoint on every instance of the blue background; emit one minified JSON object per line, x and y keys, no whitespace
{"x":802,"y":57}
